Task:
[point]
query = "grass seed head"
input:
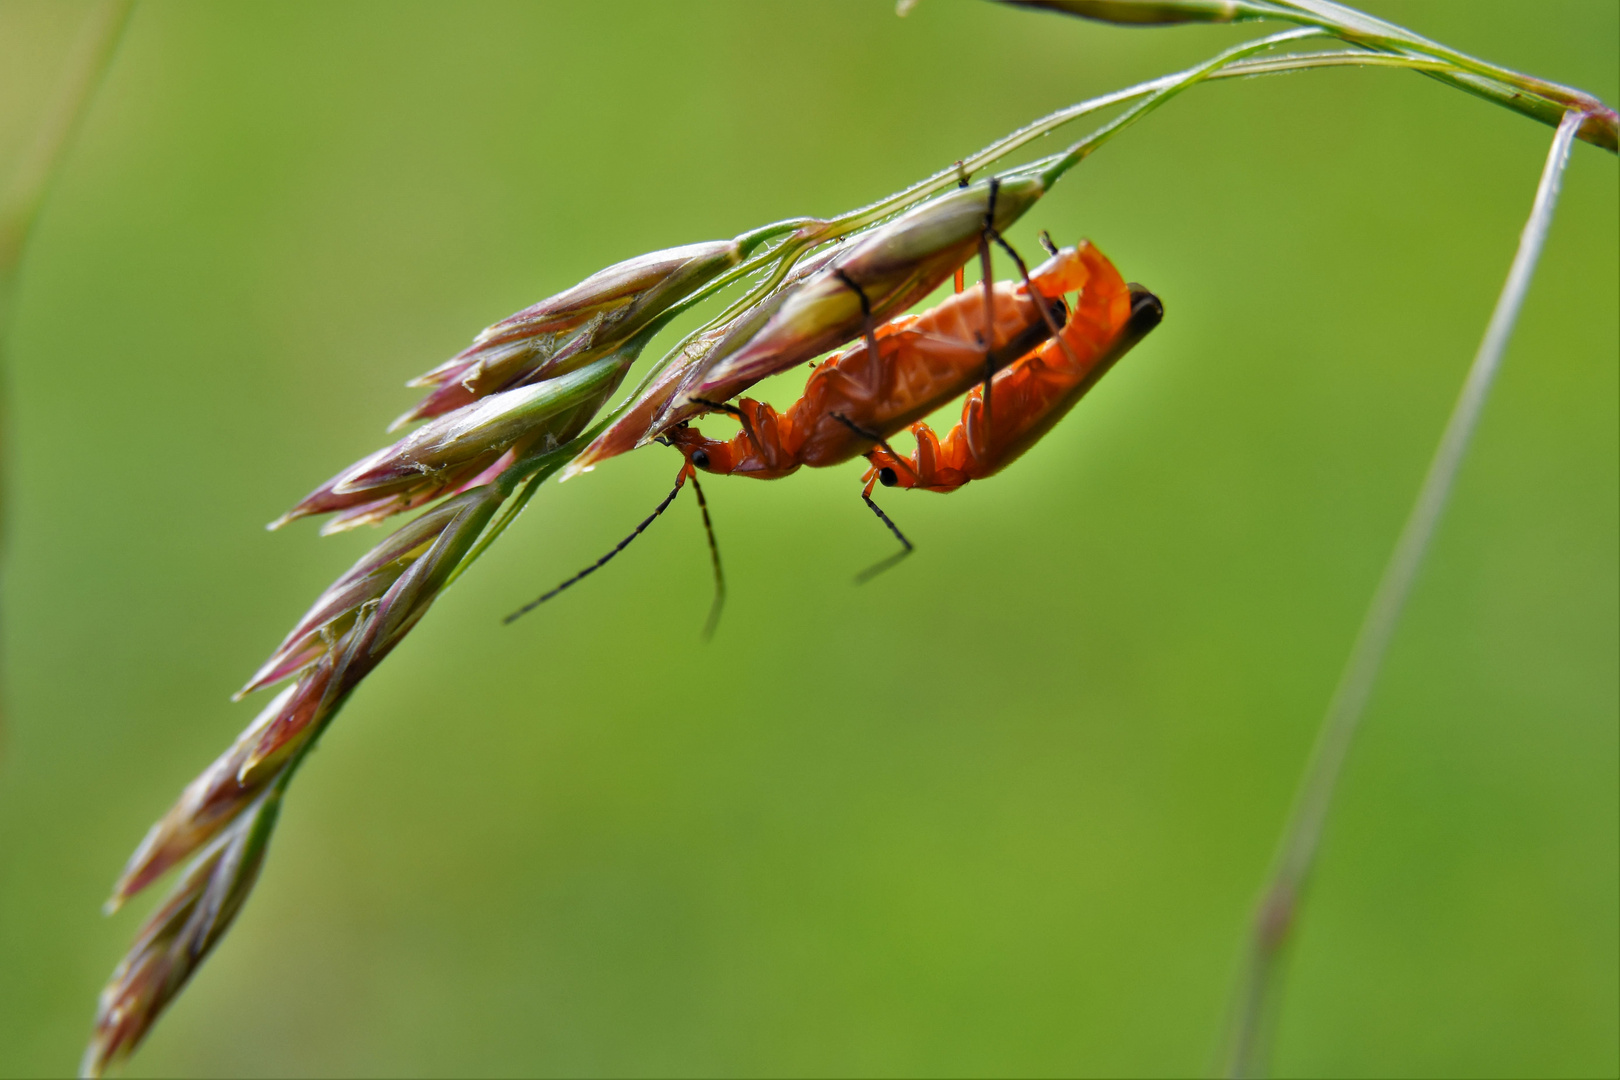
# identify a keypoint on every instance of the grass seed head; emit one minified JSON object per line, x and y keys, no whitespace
{"x":464,"y":447}
{"x":342,"y":638}
{"x":569,"y":330}
{"x":179,"y":935}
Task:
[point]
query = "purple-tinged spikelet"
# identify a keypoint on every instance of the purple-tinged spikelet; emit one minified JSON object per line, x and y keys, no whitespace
{"x":464,"y":447}
{"x":227,"y":812}
{"x":571,"y":329}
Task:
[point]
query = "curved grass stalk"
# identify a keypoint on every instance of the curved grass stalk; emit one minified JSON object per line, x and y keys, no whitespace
{"x":1255,"y":998}
{"x":1059,"y":164}
{"x":1597,"y":119}
{"x":1541,"y":99}
{"x":376,"y":604}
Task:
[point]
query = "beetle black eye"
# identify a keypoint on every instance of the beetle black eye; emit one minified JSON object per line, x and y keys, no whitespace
{"x":700,"y":458}
{"x":887,"y":477}
{"x":1147,"y":310}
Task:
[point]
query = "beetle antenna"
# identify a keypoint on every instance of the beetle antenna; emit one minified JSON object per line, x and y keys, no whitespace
{"x":719,"y":602}
{"x":906,"y":549}
{"x":620,"y":546}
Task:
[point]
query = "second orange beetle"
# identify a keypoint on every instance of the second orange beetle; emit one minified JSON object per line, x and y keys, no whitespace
{"x":854,"y":401}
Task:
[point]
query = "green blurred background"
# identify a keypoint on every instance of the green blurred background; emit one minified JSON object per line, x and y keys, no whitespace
{"x":1003,"y":811}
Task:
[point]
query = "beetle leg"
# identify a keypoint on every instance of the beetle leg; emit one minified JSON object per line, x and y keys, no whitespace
{"x":1040,"y":302}
{"x":867,"y":325}
{"x":989,"y":293}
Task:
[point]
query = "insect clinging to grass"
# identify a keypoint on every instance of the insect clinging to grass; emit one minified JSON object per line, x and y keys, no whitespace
{"x":1033,"y":354}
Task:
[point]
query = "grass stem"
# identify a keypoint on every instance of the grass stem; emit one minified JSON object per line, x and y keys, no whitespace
{"x":23,"y":197}
{"x":29,"y":185}
{"x":1255,"y":999}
